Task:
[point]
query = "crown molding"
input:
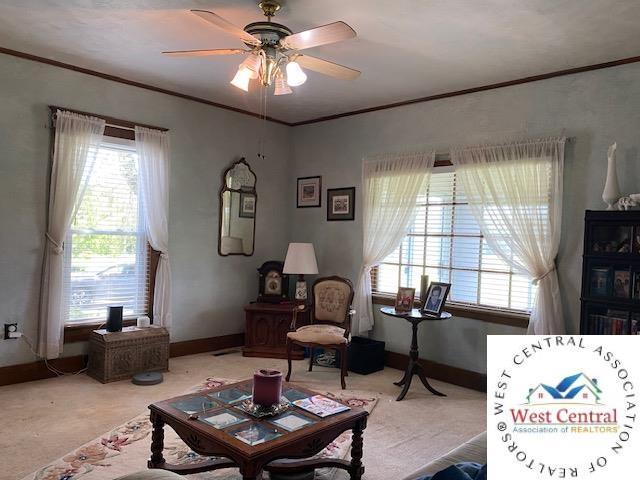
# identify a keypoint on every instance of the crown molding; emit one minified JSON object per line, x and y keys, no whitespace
{"x":430,"y":98}
{"x":133,"y":83}
{"x":483,"y":88}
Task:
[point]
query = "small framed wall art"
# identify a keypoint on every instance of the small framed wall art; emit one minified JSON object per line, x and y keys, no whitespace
{"x":309,"y":192}
{"x":247,"y":205}
{"x":341,"y":203}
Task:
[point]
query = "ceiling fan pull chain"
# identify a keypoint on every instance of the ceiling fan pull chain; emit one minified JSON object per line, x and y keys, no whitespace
{"x":263,"y":120}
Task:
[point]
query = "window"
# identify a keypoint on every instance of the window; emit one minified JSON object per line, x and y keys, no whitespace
{"x":106,"y":251}
{"x":445,"y":242}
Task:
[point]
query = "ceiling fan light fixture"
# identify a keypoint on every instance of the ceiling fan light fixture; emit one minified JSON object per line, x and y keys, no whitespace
{"x":295,"y":75}
{"x":253,"y":64}
{"x":241,"y":79}
{"x":281,"y":86}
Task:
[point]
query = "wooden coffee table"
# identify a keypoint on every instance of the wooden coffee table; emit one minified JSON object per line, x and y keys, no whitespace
{"x":216,"y":406}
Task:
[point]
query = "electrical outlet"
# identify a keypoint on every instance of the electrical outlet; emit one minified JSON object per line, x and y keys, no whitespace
{"x":10,"y":328}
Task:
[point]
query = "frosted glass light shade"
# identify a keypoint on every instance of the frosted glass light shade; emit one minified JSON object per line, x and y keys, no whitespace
{"x":281,"y":86}
{"x":295,"y":75}
{"x":253,"y":64}
{"x":241,"y":80}
{"x":301,"y":259}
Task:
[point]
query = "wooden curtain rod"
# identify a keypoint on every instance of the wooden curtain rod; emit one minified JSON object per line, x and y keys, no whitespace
{"x":113,"y":122}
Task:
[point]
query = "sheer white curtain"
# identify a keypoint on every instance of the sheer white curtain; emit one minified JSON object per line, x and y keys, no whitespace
{"x":76,"y":143}
{"x":390,"y":188}
{"x":153,"y":158}
{"x":515,"y":194}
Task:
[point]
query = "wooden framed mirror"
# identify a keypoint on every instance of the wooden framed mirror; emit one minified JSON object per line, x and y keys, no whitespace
{"x":238,"y":207}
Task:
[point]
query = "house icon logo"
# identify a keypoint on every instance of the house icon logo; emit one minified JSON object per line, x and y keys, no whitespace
{"x":574,"y":389}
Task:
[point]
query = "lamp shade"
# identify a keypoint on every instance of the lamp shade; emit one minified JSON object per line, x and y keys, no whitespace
{"x":301,"y":259}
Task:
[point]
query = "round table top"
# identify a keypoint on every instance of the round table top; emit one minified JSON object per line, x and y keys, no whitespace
{"x":414,"y":314}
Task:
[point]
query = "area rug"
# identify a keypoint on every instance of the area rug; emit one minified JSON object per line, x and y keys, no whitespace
{"x":125,"y":449}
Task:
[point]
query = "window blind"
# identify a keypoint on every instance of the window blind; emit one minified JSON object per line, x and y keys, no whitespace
{"x":106,"y":251}
{"x":445,"y":242}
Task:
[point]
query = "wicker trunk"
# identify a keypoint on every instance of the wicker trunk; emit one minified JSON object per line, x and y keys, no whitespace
{"x":119,"y":355}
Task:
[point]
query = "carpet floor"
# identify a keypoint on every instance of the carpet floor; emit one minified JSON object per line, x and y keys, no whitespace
{"x":43,"y":420}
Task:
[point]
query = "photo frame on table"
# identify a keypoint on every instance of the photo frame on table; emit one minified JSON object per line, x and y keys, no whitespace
{"x":341,"y":204}
{"x":436,"y":298}
{"x":404,"y":299}
{"x":247,"y":205}
{"x":309,"y":192}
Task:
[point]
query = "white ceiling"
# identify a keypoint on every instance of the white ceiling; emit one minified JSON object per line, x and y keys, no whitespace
{"x":405,"y":48}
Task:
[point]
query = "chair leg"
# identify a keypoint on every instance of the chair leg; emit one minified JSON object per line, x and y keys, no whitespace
{"x":343,"y":365}
{"x":289,"y":347}
{"x":311,"y":358}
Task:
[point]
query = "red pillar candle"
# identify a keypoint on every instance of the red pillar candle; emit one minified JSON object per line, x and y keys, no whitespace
{"x":267,"y":387}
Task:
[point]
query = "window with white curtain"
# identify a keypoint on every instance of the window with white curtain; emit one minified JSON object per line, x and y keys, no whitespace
{"x":106,"y":251}
{"x":445,"y":242}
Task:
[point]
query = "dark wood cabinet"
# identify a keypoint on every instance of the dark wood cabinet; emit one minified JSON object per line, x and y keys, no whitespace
{"x":611,"y":273}
{"x":266,"y":330}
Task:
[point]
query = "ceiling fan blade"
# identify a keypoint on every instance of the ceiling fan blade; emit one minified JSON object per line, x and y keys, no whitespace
{"x":205,"y":53}
{"x":327,"y":68}
{"x":228,"y":27}
{"x":334,"y":32}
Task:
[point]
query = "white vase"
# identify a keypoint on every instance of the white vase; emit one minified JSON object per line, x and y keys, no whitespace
{"x":611,"y":192}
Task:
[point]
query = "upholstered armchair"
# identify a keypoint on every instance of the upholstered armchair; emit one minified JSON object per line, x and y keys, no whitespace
{"x":330,"y":322}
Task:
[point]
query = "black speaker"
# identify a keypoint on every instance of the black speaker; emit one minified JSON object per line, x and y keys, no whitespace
{"x":114,"y":319}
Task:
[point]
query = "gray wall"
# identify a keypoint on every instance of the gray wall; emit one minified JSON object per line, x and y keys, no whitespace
{"x":596,"y":108}
{"x":208,"y":290}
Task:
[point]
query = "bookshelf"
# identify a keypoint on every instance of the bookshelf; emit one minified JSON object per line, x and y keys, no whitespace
{"x":610,"y":296}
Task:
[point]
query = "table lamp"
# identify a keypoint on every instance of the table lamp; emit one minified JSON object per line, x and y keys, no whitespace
{"x":301,"y":260}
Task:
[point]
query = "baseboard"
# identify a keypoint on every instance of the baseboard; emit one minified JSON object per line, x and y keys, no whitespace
{"x":28,"y":372}
{"x":201,"y":345}
{"x":438,"y":371}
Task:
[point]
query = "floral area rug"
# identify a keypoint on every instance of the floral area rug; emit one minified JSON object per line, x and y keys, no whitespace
{"x":125,"y":449}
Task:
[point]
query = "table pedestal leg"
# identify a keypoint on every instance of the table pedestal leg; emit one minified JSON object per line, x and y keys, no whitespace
{"x":414,"y":368}
{"x":425,"y":382}
{"x":403,"y":380}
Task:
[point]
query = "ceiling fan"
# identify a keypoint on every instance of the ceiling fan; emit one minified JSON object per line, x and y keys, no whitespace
{"x":273,"y":50}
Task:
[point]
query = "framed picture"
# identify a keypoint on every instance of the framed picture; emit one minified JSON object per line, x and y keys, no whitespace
{"x":599,"y":279}
{"x":341,"y":204}
{"x":621,"y":283}
{"x":404,"y":299}
{"x":436,"y":297}
{"x":309,"y":192}
{"x":247,"y":205}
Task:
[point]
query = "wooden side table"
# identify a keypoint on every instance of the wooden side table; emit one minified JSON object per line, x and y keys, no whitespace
{"x":267,"y":325}
{"x":414,"y":368}
{"x":118,"y":355}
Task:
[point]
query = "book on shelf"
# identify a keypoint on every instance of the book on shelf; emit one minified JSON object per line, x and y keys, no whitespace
{"x":607,"y":325}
